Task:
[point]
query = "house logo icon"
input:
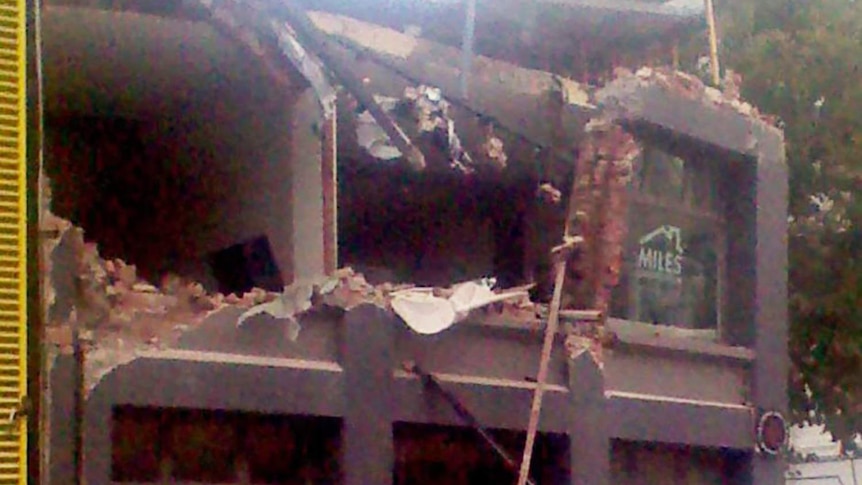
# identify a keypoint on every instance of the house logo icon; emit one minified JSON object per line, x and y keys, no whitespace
{"x":661,"y":251}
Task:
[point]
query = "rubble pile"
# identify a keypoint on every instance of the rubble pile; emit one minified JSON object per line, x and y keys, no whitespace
{"x":690,"y":86}
{"x":110,"y":299}
{"x":107,"y":298}
{"x":119,"y":315}
{"x":114,"y":312}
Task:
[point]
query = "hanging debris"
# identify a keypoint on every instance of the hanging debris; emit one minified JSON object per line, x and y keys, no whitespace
{"x":371,"y":136}
{"x":119,"y":316}
{"x":493,"y":149}
{"x":424,"y":114}
{"x":431,"y":112}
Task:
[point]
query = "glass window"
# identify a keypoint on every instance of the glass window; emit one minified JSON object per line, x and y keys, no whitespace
{"x":673,"y":253}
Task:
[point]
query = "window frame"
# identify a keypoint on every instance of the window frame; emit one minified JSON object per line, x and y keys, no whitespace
{"x":674,"y":145}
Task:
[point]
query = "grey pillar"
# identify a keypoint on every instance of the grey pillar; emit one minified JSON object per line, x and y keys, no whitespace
{"x":61,"y":440}
{"x":589,"y":442}
{"x":367,"y":346}
{"x":97,"y":432}
{"x":770,"y":318}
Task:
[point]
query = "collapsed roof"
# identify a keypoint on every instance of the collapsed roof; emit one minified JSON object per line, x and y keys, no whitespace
{"x":531,"y":33}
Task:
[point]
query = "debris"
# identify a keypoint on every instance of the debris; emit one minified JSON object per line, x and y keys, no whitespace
{"x":424,"y":114}
{"x":295,"y":300}
{"x":550,"y":194}
{"x":492,"y":148}
{"x":111,"y":308}
{"x":428,"y":314}
{"x":370,"y":135}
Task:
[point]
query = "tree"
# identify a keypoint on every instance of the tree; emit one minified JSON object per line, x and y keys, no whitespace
{"x":802,"y":61}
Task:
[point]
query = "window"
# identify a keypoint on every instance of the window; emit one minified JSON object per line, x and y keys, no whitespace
{"x":194,"y":446}
{"x":674,"y":251}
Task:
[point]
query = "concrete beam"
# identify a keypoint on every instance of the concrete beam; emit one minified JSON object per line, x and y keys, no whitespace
{"x":652,"y":419}
{"x":632,"y":101}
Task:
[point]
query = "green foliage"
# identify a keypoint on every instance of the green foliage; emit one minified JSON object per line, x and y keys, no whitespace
{"x":802,"y":61}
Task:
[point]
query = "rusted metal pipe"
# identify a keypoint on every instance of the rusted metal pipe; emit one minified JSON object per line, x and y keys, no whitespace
{"x":464,"y":414}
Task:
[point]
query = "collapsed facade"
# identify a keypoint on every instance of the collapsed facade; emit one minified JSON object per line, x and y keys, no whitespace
{"x":281,"y":229}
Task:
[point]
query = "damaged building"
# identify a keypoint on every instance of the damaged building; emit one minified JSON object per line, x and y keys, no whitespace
{"x":287,"y":243}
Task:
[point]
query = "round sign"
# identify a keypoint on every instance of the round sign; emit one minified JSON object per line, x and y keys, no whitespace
{"x":772,"y":433}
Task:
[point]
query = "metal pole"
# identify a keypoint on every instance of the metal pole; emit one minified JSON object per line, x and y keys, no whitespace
{"x":464,"y":413}
{"x":78,"y":408}
{"x":713,"y":42}
{"x":467,"y":46}
{"x":38,"y":394}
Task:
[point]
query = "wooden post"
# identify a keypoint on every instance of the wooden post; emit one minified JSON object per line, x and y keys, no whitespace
{"x":547,"y":347}
{"x":713,"y":43}
{"x":329,"y":174}
{"x":560,"y":254}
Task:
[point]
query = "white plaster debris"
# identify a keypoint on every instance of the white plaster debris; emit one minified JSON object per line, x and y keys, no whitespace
{"x":428,"y":314}
{"x":371,"y":137}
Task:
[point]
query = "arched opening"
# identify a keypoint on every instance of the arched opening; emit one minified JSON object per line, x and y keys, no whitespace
{"x":173,"y":148}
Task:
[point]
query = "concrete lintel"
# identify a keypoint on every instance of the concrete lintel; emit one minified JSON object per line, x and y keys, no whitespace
{"x":665,"y":421}
{"x":718,"y":126}
{"x":500,"y":406}
{"x":209,"y":381}
{"x":200,"y":384}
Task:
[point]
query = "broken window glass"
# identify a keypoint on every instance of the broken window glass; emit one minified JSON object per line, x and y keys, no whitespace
{"x":672,"y":254}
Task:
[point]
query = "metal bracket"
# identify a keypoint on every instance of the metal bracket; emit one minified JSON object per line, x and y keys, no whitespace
{"x":18,"y":413}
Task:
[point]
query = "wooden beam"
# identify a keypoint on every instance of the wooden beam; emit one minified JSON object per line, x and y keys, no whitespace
{"x":329,"y":176}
